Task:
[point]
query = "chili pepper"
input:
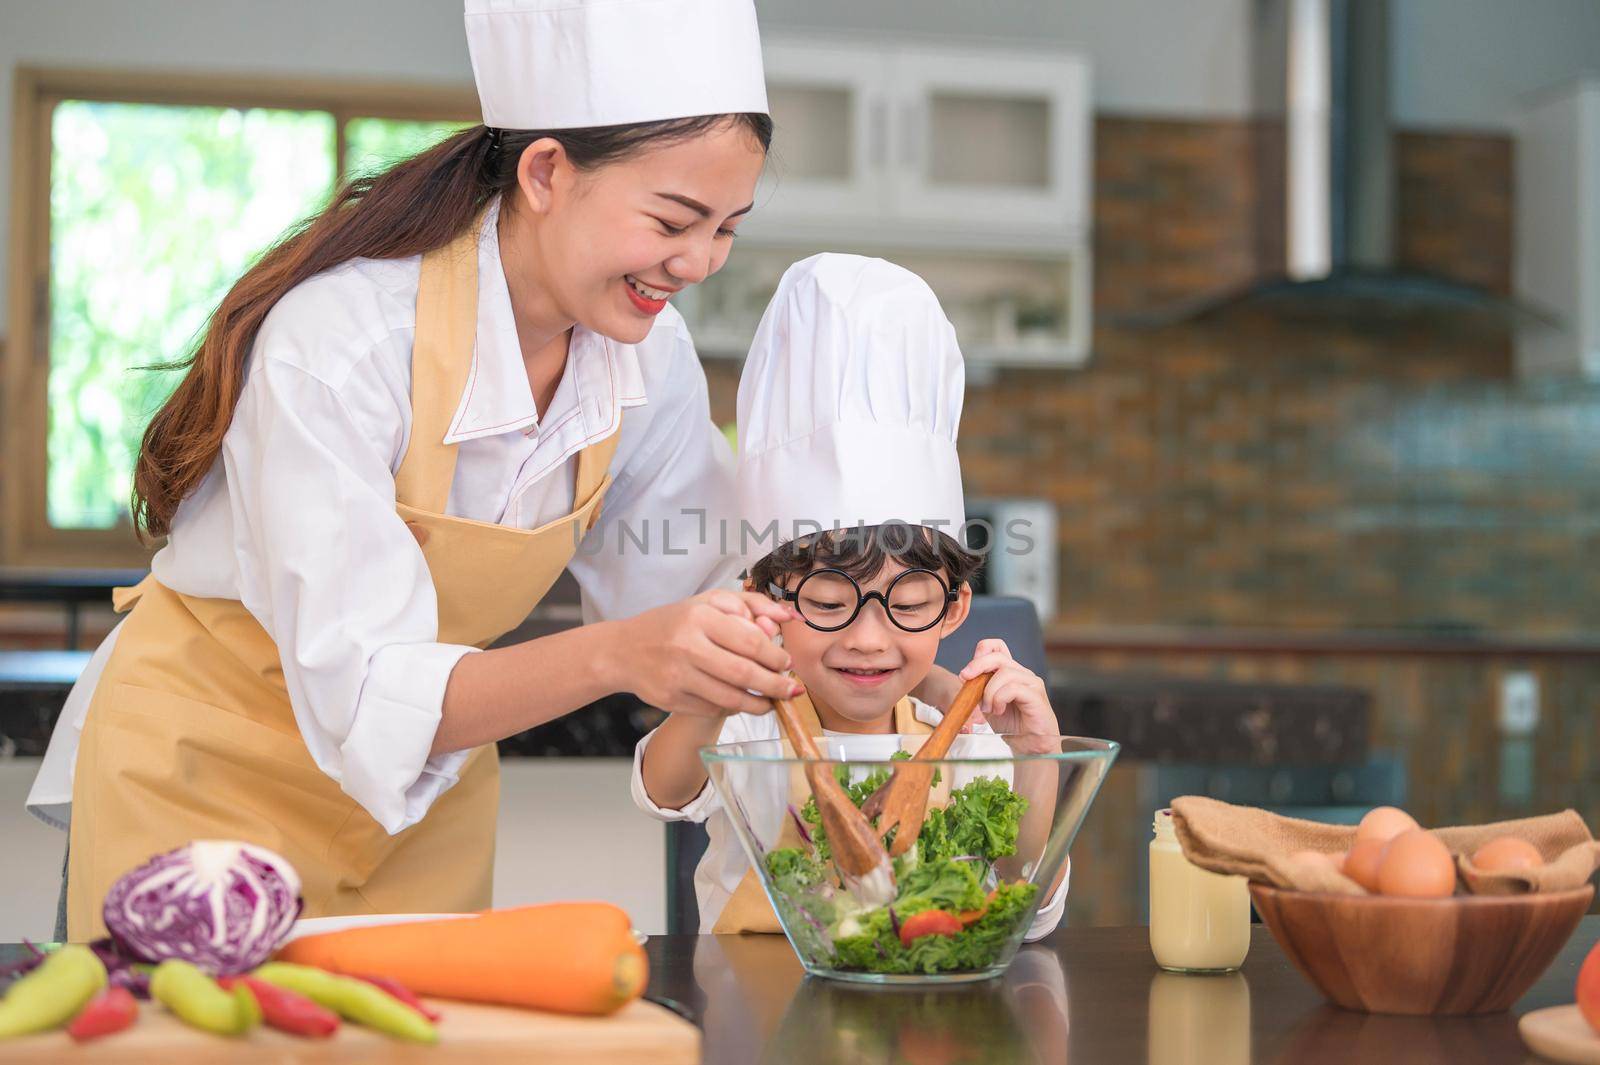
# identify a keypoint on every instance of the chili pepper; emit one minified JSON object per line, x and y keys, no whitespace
{"x":352,"y":999}
{"x":403,"y":993}
{"x":249,"y":1008}
{"x":287,"y":1011}
{"x":378,"y":1009}
{"x":110,"y":1011}
{"x":198,"y":1000}
{"x":52,"y":994}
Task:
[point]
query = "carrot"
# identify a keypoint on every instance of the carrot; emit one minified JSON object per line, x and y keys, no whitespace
{"x":570,"y":957}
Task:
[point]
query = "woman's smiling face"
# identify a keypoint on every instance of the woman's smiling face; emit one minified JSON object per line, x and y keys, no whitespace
{"x":608,"y":246}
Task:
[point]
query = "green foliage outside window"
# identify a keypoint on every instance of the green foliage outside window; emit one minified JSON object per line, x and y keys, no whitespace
{"x":154,"y":211}
{"x":374,"y":143}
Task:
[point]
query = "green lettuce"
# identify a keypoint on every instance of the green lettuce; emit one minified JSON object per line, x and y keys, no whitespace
{"x":939,"y":885}
{"x":792,"y":869}
{"x":807,"y":913}
{"x":875,"y":947}
{"x":980,"y":821}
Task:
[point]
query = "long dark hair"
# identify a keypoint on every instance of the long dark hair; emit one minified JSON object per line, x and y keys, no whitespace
{"x":415,"y":206}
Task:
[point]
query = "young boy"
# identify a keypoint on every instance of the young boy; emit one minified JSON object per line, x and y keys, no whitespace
{"x":848,"y":408}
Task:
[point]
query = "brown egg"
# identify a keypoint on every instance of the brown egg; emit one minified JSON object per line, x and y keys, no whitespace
{"x":1361,"y":864}
{"x":1506,"y":854}
{"x":1416,"y":865}
{"x":1384,"y":823}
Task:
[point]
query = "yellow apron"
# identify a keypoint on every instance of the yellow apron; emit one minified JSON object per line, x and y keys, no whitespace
{"x":191,"y":735}
{"x":748,"y":909}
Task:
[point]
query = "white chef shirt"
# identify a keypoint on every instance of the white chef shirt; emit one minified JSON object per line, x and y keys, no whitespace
{"x":724,"y":864}
{"x":297,"y":518}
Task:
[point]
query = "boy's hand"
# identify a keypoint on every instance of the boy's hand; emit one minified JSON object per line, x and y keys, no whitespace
{"x":1015,"y":702}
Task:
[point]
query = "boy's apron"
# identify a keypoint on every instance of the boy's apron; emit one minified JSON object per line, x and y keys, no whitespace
{"x":748,"y":909}
{"x":190,"y":734}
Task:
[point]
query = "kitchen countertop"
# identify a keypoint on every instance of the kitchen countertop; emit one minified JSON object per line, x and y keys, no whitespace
{"x":1082,"y":995}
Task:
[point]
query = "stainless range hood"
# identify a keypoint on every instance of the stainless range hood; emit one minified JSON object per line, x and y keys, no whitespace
{"x":1321,"y":69}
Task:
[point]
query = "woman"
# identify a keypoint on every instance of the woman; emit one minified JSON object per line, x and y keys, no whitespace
{"x":390,"y":441}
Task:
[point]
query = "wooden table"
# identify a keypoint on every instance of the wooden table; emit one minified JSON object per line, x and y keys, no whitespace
{"x":1085,"y":996}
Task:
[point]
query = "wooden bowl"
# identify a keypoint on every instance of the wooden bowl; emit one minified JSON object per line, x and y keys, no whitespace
{"x":1466,"y":954}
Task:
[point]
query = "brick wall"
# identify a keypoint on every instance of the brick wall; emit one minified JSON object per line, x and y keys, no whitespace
{"x":1455,"y":194}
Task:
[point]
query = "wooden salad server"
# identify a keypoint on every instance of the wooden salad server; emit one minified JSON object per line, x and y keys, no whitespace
{"x":858,"y":852}
{"x":902,"y":802}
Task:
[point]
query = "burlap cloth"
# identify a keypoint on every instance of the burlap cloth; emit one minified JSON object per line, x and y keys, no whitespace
{"x":1245,"y":841}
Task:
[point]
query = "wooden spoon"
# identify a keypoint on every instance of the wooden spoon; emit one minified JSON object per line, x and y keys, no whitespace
{"x":902,"y":801}
{"x":857,"y":850}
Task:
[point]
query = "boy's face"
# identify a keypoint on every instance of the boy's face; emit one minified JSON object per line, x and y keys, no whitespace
{"x":859,"y":672}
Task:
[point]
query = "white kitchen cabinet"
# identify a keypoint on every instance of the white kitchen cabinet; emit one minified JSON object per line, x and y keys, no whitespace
{"x":830,"y":108}
{"x":999,"y":139}
{"x":1009,"y":307}
{"x":983,"y":145}
{"x":970,"y":166}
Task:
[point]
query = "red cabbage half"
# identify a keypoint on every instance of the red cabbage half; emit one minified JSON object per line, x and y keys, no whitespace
{"x":223,"y":906}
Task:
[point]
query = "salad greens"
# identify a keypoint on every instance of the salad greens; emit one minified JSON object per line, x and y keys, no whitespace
{"x":982,"y":819}
{"x":877,"y":948}
{"x":950,"y":870}
{"x":859,"y":792}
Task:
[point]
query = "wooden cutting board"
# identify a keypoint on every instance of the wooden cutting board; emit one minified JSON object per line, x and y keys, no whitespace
{"x":640,"y":1034}
{"x":1561,"y":1034}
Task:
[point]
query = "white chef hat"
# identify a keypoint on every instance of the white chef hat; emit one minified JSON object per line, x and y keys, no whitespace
{"x":564,"y":64}
{"x":849,"y":405}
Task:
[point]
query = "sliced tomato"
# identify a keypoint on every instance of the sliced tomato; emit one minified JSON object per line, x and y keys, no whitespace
{"x":928,"y":923}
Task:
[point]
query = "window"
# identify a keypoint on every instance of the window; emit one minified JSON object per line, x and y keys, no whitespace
{"x":146,"y":201}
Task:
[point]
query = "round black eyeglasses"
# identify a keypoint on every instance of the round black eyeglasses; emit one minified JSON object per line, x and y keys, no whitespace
{"x":830,"y":599}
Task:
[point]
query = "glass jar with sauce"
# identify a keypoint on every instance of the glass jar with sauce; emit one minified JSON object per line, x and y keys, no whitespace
{"x":1199,"y":920}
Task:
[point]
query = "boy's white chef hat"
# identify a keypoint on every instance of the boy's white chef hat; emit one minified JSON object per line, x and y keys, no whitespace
{"x":564,"y":64}
{"x":849,"y":405}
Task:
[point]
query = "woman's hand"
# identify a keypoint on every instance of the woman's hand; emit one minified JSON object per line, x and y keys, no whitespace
{"x":700,"y":655}
{"x":1015,"y":702}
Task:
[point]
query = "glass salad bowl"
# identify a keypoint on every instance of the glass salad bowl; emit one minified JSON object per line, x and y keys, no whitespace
{"x":1002,"y":812}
